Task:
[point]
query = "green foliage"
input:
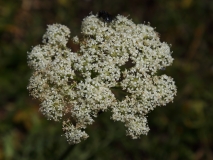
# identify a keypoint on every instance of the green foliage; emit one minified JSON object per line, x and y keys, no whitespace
{"x":180,"y":130}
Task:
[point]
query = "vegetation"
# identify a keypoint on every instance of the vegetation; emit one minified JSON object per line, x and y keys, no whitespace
{"x":180,"y":130}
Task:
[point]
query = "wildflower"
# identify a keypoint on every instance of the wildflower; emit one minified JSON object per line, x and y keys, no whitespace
{"x":114,"y":57}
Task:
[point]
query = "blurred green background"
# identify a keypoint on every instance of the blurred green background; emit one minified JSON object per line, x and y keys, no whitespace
{"x":181,"y":130}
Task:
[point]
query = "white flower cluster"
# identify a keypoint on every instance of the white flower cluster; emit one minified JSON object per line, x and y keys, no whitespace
{"x":115,"y":69}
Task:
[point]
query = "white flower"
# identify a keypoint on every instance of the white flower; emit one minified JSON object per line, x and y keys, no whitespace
{"x":115,"y":69}
{"x":56,"y":34}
